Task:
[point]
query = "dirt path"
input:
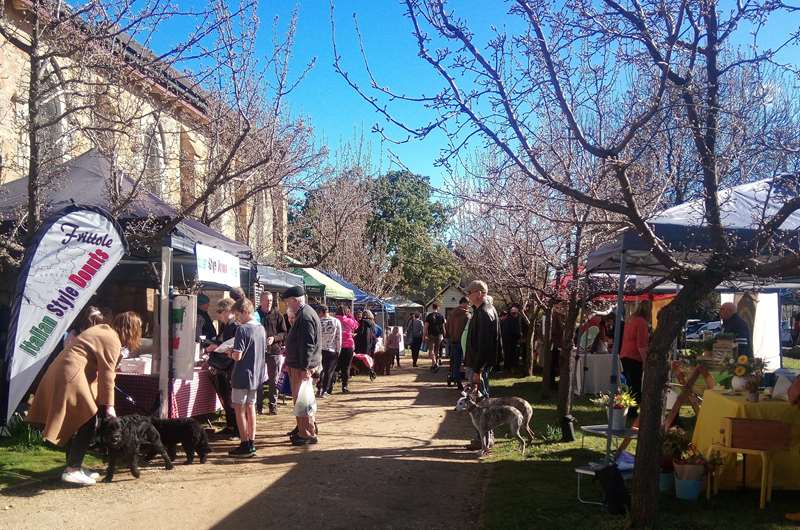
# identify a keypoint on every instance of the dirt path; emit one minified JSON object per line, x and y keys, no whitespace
{"x":390,"y":456}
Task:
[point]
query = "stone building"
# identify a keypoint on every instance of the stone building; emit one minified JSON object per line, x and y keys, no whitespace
{"x":153,"y":128}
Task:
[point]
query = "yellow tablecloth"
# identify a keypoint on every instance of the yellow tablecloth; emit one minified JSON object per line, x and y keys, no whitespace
{"x":717,"y":406}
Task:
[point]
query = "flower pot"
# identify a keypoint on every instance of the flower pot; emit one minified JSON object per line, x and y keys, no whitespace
{"x":688,"y":490}
{"x":752,"y":396}
{"x":689,"y":471}
{"x":617,"y":419}
{"x":666,"y":482}
{"x":738,"y":383}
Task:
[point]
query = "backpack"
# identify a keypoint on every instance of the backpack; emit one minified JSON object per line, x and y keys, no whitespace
{"x":435,"y":324}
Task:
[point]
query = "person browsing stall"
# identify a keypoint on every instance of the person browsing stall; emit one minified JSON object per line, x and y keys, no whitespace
{"x":220,"y":365}
{"x":434,"y":333}
{"x":484,"y":342}
{"x":275,"y":328}
{"x":331,"y":341}
{"x":303,"y":355}
{"x":79,"y":386}
{"x":734,"y":324}
{"x":633,"y":352}
{"x":205,"y":325}
{"x":247,"y":353}
{"x":459,"y":318}
{"x":349,"y":328}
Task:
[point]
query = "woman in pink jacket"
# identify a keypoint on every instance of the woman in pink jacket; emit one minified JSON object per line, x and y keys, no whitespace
{"x":349,"y":327}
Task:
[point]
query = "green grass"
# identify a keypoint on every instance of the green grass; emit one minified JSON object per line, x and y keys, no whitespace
{"x":25,"y":457}
{"x":539,"y":490}
{"x":794,"y":364}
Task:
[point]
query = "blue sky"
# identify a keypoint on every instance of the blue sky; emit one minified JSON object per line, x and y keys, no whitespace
{"x":338,"y":114}
{"x":336,"y":111}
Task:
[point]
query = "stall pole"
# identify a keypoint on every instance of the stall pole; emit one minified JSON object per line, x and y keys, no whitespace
{"x":614,"y":382}
{"x":163,"y":328}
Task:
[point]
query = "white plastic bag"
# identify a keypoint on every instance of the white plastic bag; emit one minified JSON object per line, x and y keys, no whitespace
{"x":306,"y":403}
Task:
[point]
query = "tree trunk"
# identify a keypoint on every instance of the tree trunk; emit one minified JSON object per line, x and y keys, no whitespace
{"x":644,"y":502}
{"x":34,"y":134}
{"x":547,"y":360}
{"x":566,"y":365}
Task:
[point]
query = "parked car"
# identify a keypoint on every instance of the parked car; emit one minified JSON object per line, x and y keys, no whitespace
{"x":714,"y":327}
{"x":692,"y":325}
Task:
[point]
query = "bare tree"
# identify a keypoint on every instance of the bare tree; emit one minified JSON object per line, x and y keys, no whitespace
{"x":233,"y":146}
{"x":619,"y":76}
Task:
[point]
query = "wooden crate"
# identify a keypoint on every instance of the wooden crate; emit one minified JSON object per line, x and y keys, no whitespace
{"x":763,"y":435}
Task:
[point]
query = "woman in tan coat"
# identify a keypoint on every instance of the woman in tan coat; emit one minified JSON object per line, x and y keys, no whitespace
{"x":78,"y":384}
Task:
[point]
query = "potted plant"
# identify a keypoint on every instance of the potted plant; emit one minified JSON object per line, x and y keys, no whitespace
{"x":690,"y":471}
{"x":673,"y":445}
{"x":747,"y":373}
{"x":623,"y":400}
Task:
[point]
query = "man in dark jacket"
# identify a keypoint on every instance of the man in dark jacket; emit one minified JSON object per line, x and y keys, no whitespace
{"x":303,"y":354}
{"x":205,"y":326}
{"x":483,"y":336}
{"x":275,"y":326}
{"x":735,"y":324}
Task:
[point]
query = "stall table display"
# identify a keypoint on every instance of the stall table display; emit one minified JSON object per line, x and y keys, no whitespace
{"x":718,"y":405}
{"x":194,"y":397}
{"x":592,"y":373}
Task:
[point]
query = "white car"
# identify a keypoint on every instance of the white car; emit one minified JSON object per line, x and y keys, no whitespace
{"x":714,"y":327}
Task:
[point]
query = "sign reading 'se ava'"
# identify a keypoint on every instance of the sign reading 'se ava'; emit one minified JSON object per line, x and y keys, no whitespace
{"x":216,"y":266}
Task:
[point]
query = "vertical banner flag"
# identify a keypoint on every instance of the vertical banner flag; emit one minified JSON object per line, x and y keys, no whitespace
{"x":71,"y":255}
{"x":216,"y":266}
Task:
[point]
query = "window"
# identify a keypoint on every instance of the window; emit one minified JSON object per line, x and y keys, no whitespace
{"x":153,"y":157}
{"x":52,"y":137}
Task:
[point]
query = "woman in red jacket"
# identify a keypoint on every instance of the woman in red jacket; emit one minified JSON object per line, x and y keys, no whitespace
{"x":633,"y":351}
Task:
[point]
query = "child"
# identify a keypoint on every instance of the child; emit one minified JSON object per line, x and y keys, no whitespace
{"x":249,"y":346}
{"x":393,"y":344}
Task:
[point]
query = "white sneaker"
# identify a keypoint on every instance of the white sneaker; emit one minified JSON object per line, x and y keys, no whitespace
{"x":94,"y":475}
{"x":77,"y":477}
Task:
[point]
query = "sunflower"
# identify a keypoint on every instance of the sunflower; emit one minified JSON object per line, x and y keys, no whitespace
{"x":742,"y":359}
{"x":740,"y":371}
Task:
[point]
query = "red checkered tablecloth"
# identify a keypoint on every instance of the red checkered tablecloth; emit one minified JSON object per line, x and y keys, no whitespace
{"x":190,"y":398}
{"x":195,"y":397}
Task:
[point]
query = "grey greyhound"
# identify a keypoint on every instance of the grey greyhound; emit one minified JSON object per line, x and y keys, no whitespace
{"x":487,"y":418}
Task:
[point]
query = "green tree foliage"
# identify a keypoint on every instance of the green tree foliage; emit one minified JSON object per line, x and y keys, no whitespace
{"x":412,"y":224}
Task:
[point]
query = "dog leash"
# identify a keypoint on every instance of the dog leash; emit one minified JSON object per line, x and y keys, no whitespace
{"x":125,"y":395}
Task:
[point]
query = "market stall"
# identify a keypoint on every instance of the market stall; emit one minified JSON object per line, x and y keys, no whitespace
{"x":322,"y":287}
{"x":168,"y":380}
{"x":683,"y":230}
{"x":364,"y":300}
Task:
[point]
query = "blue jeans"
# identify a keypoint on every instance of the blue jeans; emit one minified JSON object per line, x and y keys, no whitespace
{"x":484,"y":389}
{"x":456,"y":357}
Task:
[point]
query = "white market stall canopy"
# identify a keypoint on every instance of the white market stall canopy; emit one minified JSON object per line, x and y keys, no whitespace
{"x":682,"y":228}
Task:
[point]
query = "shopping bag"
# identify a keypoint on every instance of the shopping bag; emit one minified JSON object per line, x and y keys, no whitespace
{"x":306,"y":403}
{"x":284,"y":385}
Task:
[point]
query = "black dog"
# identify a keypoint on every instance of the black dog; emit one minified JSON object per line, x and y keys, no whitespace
{"x":185,"y":431}
{"x":125,"y":437}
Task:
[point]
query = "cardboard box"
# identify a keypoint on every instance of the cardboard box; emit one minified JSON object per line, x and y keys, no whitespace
{"x":764,"y":435}
{"x":139,"y":365}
